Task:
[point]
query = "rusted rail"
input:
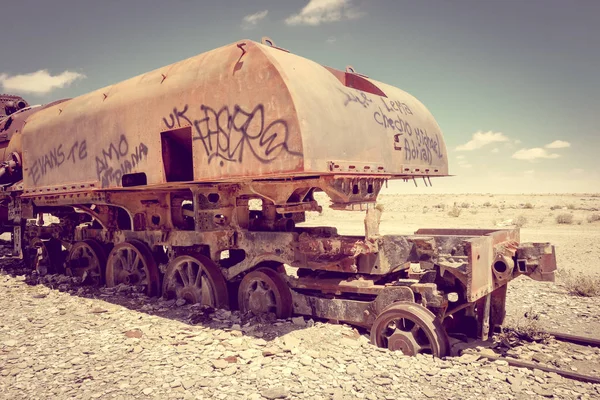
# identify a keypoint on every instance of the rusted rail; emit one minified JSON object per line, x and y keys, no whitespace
{"x":582,"y":340}
{"x":567,"y":337}
{"x":525,"y":364}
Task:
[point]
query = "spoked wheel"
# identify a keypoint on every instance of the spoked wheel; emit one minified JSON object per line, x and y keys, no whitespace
{"x":411,"y":328}
{"x":132,"y":263}
{"x":196,"y":279}
{"x":49,"y":256}
{"x":264,"y":291}
{"x":87,"y":260}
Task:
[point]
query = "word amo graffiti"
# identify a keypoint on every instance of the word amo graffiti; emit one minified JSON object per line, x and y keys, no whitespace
{"x":56,"y":157}
{"x":420,"y":147}
{"x":107,"y":172}
{"x":361,"y":99}
{"x":227,"y":134}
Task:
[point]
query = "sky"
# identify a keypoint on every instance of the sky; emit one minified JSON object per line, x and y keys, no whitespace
{"x":513,"y":84}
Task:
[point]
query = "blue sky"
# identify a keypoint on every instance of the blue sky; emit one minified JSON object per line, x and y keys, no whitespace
{"x":514,"y":84}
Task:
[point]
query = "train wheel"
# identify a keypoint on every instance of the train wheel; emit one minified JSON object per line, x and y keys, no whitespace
{"x":132,"y":263}
{"x":49,"y":257}
{"x":196,"y":279}
{"x":263,"y":291}
{"x":411,"y":328}
{"x":87,"y":260}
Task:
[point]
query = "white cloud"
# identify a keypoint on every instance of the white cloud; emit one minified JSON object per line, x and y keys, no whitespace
{"x":462,"y":162}
{"x":460,"y":157}
{"x":577,"y":171}
{"x":533,"y":154}
{"x":331,"y":39}
{"x":481,"y":139}
{"x":251,"y":20}
{"x":40,"y":82}
{"x":495,"y":150}
{"x":322,"y":11}
{"x":558,"y":144}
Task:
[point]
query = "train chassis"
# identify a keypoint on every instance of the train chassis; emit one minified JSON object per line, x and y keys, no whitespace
{"x":238,"y":246}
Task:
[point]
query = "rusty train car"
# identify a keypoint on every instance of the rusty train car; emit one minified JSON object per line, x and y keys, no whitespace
{"x":192,"y":181}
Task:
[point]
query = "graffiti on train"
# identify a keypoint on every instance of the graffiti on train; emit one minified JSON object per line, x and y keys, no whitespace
{"x":57,"y":157}
{"x":393,"y":115}
{"x":117,"y":159}
{"x":419,"y":147}
{"x":229,"y":133}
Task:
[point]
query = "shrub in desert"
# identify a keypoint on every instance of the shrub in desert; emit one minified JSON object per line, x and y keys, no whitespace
{"x":571,"y":206}
{"x":555,"y":207}
{"x":580,"y":285}
{"x":425,"y":209}
{"x":564,"y":218}
{"x":441,"y":206}
{"x":527,"y":328}
{"x":455,"y":212}
{"x":465,"y":205}
{"x":528,"y":205}
{"x":520,"y":221}
{"x":487,"y":204}
{"x":593,"y":218}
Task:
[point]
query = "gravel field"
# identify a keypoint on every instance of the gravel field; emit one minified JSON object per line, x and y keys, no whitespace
{"x":61,"y":340}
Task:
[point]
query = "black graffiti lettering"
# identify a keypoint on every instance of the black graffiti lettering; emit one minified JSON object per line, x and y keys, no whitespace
{"x":361,"y":99}
{"x":176,"y":116}
{"x":57,"y":156}
{"x":34,"y":172}
{"x":53,"y":159}
{"x":395,"y":122}
{"x":81,"y":154}
{"x":395,"y":105}
{"x":71,"y":154}
{"x":118,"y":152}
{"x":423,"y":147}
{"x":83,"y":150}
{"x":229,"y":133}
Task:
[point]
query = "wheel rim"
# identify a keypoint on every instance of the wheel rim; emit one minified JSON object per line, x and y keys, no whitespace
{"x":87,"y":260}
{"x":263,"y":291}
{"x":196,"y":279}
{"x":131,"y":263}
{"x":411,"y":328}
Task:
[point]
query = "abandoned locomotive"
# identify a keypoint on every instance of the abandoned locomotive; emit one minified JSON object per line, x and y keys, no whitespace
{"x":190,"y":181}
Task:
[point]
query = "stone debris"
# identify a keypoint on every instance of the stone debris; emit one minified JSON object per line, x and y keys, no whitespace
{"x":84,"y":342}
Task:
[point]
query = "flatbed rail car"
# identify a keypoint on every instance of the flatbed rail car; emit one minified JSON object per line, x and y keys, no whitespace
{"x":190,"y":181}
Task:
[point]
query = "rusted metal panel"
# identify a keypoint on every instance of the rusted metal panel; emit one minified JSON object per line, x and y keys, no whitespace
{"x":241,"y":111}
{"x":538,"y":260}
{"x":361,"y":313}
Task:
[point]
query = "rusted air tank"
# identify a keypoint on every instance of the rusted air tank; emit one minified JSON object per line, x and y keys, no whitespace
{"x":243,"y":111}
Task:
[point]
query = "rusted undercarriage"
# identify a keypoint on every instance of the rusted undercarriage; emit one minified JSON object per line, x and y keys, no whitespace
{"x":204,"y":243}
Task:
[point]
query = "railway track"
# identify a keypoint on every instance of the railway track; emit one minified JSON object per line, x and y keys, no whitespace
{"x":562,"y":337}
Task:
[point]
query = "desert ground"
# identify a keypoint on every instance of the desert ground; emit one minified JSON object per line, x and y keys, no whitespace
{"x":62,"y":340}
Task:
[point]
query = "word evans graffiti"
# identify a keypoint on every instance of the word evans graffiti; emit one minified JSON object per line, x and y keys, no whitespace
{"x":119,"y":151}
{"x":57,"y":157}
{"x":228,"y":133}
